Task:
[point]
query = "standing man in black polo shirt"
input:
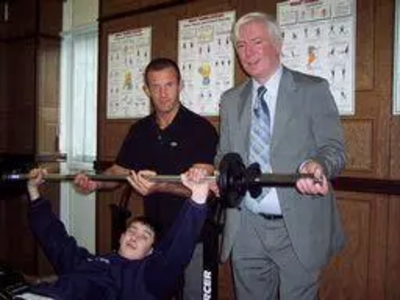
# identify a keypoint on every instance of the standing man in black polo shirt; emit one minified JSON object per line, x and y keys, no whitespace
{"x":169,"y":141}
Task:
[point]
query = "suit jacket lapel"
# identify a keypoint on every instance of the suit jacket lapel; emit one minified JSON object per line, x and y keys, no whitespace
{"x":244,"y":122}
{"x":284,"y":107}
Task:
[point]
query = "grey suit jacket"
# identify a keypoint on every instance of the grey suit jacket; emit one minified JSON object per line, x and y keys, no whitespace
{"x":306,"y":126}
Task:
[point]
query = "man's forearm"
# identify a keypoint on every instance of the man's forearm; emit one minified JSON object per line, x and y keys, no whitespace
{"x":110,"y":185}
{"x":178,"y":188}
{"x":173,"y":188}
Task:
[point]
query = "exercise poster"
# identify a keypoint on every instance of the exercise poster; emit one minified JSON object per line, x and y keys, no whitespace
{"x":206,"y":60}
{"x":319,"y":39}
{"x":129,"y":52}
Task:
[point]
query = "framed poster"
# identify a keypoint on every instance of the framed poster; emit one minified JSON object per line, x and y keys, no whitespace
{"x":319,"y":39}
{"x":206,"y":60}
{"x":129,"y":52}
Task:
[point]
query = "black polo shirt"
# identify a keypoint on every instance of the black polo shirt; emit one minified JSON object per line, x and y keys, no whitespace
{"x":188,"y":140}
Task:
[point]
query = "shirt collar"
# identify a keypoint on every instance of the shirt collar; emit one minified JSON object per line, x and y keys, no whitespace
{"x":176,"y":119}
{"x":272,"y":83}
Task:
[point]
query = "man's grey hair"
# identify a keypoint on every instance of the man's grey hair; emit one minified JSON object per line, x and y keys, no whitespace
{"x":268,"y":21}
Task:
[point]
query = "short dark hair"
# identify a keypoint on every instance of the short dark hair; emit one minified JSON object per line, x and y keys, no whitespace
{"x":146,"y":222}
{"x":161,"y":63}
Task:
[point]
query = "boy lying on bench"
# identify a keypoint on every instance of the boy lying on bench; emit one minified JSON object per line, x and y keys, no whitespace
{"x":142,"y":269}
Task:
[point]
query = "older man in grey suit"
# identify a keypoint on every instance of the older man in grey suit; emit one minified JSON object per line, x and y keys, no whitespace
{"x":280,"y":241}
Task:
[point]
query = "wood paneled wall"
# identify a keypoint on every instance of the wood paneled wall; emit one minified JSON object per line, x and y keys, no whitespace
{"x":21,"y":89}
{"x":29,"y":75}
{"x":369,"y":267}
{"x":29,"y":101}
{"x":3,"y":99}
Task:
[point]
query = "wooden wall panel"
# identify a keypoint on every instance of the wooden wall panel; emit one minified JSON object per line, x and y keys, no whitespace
{"x":48,"y":95}
{"x":24,"y":72}
{"x":3,"y":78}
{"x":112,"y":8}
{"x":393,"y":247}
{"x":165,"y":30}
{"x":48,"y":128}
{"x":21,"y":95}
{"x":3,"y":99}
{"x":359,"y":139}
{"x":208,"y":7}
{"x":395,"y":147}
{"x":51,"y":14}
{"x":21,"y":136}
{"x":352,"y":264}
{"x":384,"y":11}
{"x":393,"y":257}
{"x":365,"y":35}
{"x":22,"y":19}
{"x":357,"y":272}
{"x":3,"y":130}
{"x":111,"y":143}
{"x":3,"y":232}
{"x":18,"y":248}
{"x":103,"y":220}
{"x":28,"y":17}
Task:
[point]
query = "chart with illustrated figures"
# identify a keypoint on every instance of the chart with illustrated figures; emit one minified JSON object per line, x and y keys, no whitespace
{"x":128,"y":54}
{"x":319,"y":39}
{"x":206,"y":60}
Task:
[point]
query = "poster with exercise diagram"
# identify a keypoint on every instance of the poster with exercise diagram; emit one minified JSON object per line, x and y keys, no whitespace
{"x":206,"y":60}
{"x":319,"y":39}
{"x":129,"y":52}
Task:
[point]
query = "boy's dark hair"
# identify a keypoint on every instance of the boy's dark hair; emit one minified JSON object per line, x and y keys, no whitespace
{"x":159,"y":64}
{"x":147,"y":222}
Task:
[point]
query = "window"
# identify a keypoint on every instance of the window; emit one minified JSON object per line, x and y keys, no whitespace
{"x":78,"y":129}
{"x":79,"y":97}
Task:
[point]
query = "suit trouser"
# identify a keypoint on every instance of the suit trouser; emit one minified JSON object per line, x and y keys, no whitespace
{"x":264,"y":262}
{"x":193,"y":281}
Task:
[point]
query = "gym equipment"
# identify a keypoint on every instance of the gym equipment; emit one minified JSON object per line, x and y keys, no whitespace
{"x":233,"y":179}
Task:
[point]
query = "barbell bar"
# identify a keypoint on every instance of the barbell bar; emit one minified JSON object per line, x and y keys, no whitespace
{"x":64,"y":177}
{"x":268,"y":179}
{"x":233,"y":179}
